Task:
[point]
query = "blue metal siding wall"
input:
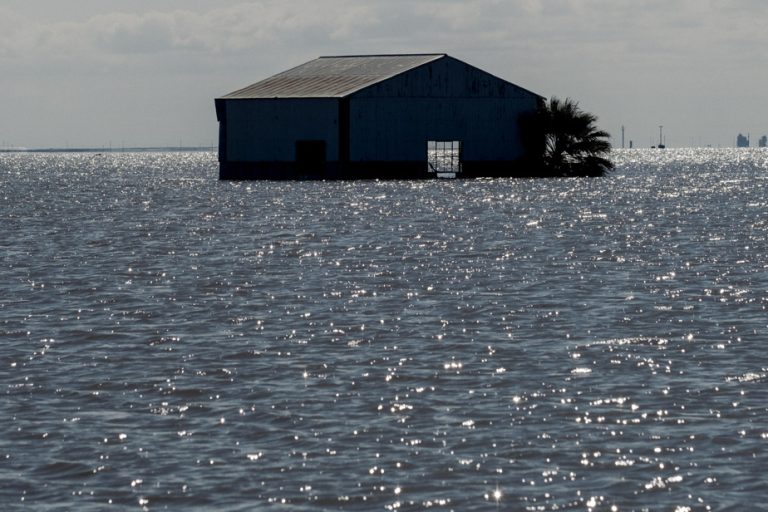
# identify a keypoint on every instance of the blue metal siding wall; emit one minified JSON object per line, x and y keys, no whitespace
{"x":442,"y":100}
{"x":396,"y":129}
{"x":267,"y":129}
{"x":446,"y":78}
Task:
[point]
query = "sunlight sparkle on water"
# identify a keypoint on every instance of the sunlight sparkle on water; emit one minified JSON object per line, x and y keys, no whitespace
{"x":558,"y":344}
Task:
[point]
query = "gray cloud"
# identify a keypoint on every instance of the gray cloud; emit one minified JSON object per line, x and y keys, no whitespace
{"x":696,"y":66}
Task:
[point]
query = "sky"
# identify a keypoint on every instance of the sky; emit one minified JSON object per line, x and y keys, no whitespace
{"x":99,"y":73}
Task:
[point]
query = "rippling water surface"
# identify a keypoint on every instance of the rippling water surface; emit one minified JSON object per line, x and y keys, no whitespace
{"x":171,"y":341}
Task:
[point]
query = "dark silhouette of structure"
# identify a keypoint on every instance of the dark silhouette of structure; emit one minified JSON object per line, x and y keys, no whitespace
{"x":763,"y":142}
{"x":374,"y":116}
{"x":742,"y":141}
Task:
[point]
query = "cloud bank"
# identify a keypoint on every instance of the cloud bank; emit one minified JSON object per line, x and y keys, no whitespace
{"x":148,"y":74}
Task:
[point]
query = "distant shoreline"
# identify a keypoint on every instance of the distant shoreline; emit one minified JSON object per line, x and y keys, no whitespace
{"x":159,"y":149}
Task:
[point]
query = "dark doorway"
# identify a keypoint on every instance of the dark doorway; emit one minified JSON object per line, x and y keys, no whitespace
{"x":310,"y":153}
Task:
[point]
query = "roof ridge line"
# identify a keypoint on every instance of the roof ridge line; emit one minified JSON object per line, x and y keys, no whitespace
{"x":383,"y":55}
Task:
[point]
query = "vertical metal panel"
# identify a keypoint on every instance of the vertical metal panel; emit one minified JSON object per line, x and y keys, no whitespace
{"x":267,"y":129}
{"x":344,"y":133}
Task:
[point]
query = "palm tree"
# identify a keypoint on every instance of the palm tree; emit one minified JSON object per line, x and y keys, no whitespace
{"x":565,"y":141}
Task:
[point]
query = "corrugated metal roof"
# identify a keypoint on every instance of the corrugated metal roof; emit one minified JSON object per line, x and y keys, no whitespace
{"x":331,"y":77}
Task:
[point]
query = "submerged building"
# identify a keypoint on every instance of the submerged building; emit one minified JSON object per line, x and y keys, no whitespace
{"x":374,"y":116}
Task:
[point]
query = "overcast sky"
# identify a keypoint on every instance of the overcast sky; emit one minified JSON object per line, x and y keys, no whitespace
{"x":145,"y":73}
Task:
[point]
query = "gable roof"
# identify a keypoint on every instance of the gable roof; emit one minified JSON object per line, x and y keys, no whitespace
{"x":333,"y":77}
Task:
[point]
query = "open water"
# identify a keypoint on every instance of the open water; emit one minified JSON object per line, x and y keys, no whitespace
{"x":169,"y":341}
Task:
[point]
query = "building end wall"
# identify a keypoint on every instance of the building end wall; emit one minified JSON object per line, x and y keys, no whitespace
{"x":267,"y":129}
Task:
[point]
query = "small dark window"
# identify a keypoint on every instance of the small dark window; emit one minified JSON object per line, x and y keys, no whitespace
{"x":309,"y":152}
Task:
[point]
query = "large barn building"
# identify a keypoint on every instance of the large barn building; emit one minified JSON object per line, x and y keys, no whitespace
{"x":373,"y":116}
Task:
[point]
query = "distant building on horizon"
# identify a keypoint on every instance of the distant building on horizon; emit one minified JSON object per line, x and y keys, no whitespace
{"x":742,"y":141}
{"x":763,"y":142}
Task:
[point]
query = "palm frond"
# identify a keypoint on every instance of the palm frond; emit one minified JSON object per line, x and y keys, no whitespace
{"x":572,"y":143}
